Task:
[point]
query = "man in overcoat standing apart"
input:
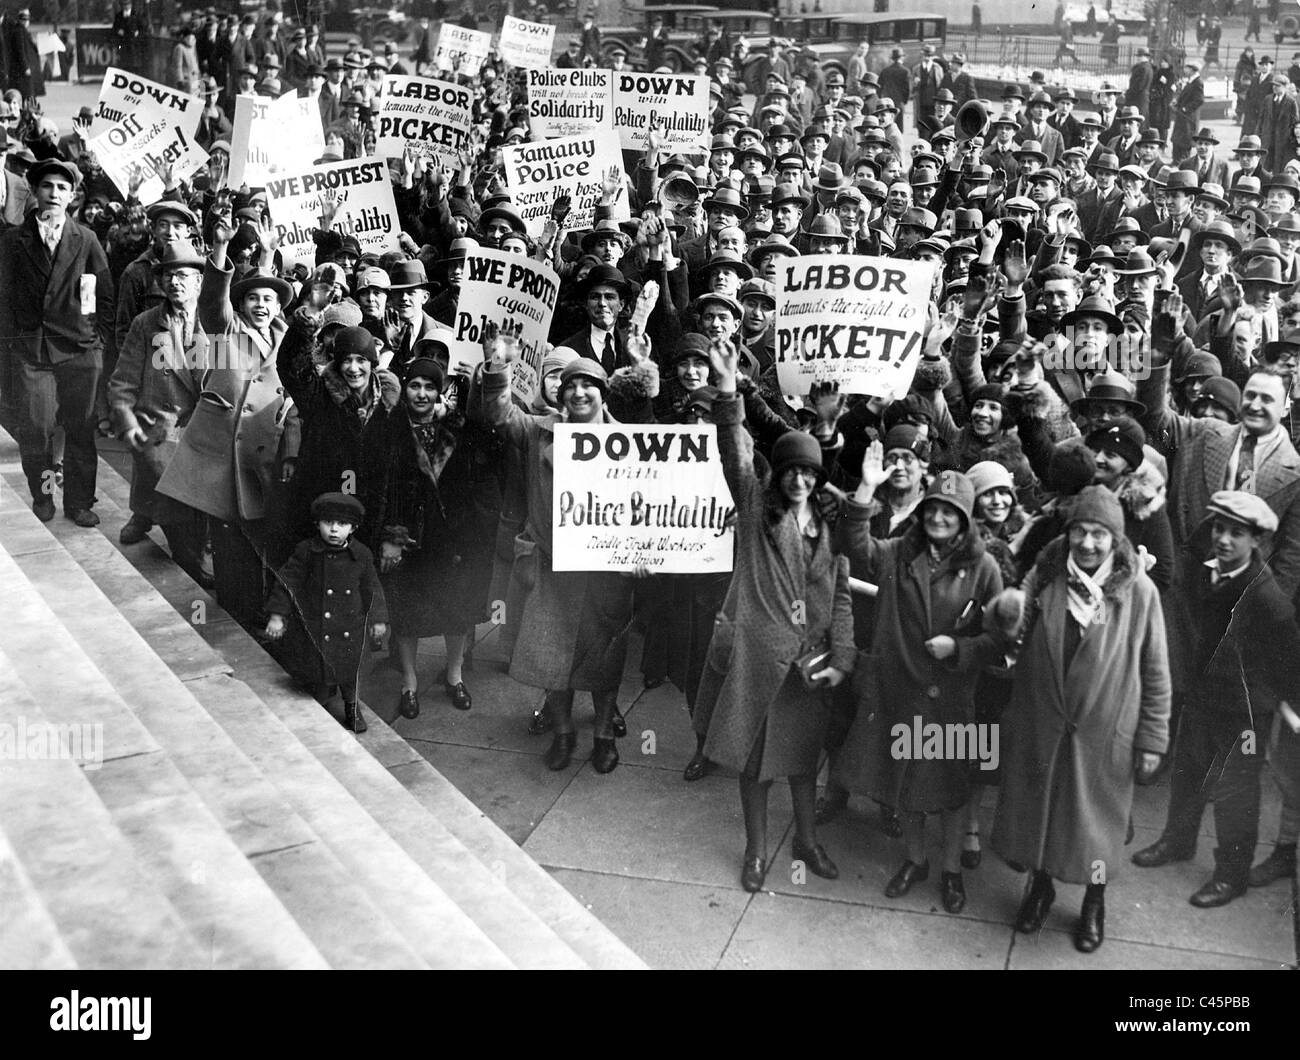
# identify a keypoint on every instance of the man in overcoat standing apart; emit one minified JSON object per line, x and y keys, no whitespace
{"x":56,"y":318}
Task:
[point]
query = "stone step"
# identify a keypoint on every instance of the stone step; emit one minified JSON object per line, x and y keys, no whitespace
{"x":30,"y":939}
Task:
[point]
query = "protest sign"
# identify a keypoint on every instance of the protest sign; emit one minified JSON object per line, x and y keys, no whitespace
{"x":526,"y":44}
{"x":537,"y":172}
{"x":124,"y":95}
{"x":568,"y":102}
{"x":678,"y":104}
{"x":506,"y":290}
{"x":639,"y":495}
{"x":152,"y":144}
{"x":461,"y":50}
{"x":364,"y":196}
{"x":853,"y":319}
{"x":273,"y":137}
{"x":431,"y":117}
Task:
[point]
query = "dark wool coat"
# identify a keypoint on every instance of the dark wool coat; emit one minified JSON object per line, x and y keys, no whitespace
{"x":906,"y":682}
{"x":745,"y":695}
{"x":328,"y":595}
{"x":1068,"y":736}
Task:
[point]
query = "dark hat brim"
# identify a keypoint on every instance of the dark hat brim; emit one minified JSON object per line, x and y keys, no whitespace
{"x":251,"y":282}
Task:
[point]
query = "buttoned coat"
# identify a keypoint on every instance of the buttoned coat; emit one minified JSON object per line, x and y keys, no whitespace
{"x":18,"y":199}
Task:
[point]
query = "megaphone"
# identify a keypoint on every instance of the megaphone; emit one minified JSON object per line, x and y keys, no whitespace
{"x":678,"y":192}
{"x":972,"y":120}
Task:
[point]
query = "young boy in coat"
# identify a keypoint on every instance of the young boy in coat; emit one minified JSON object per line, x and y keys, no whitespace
{"x":323,"y":597}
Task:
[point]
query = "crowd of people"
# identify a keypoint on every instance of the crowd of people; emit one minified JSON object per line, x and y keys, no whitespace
{"x":1078,"y":530}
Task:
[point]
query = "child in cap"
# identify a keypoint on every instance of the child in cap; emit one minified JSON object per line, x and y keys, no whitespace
{"x":323,"y":598}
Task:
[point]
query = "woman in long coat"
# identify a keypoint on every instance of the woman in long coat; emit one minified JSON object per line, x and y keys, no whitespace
{"x":1089,"y":709}
{"x":763,"y":716}
{"x":928,"y":648}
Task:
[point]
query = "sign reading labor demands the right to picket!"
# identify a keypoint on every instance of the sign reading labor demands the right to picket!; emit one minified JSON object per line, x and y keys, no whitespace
{"x":508,"y":290}
{"x":526,"y":44}
{"x":430,"y":117}
{"x":630,"y":495}
{"x":273,"y":137}
{"x":362,"y":192}
{"x":461,"y":50}
{"x":568,"y":102}
{"x":125,"y":95}
{"x":676,"y":104}
{"x":537,"y":172}
{"x":856,"y":320}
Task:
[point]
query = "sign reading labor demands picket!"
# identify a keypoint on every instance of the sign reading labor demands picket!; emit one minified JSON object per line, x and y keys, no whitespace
{"x":124,"y":95}
{"x":510,"y":291}
{"x":273,"y":137}
{"x":575,"y":165}
{"x":526,"y":44}
{"x":568,"y":102}
{"x":676,"y":104}
{"x":362,"y":192}
{"x":147,"y":146}
{"x":855,"y":320}
{"x":430,"y":117}
{"x":461,"y":50}
{"x":640,"y":495}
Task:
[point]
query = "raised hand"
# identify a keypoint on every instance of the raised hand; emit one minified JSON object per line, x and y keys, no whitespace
{"x":827,"y":401}
{"x":611,"y":185}
{"x":135,"y":181}
{"x":654,"y":139}
{"x":222,"y":230}
{"x":329,"y":207}
{"x":82,"y":128}
{"x":1230,"y":292}
{"x":1014,"y":266}
{"x":725,"y":359}
{"x":560,"y":207}
{"x":874,"y":474}
{"x":501,"y":346}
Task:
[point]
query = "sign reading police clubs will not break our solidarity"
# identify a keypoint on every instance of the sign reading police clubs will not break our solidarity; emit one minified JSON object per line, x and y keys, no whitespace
{"x":678,"y":104}
{"x":857,"y":320}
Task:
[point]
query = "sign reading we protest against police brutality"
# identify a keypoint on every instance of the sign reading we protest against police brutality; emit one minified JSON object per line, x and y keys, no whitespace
{"x":273,"y":137}
{"x":125,"y":95}
{"x":507,"y":290}
{"x":676,"y":104}
{"x":151,"y":144}
{"x":633,"y":495}
{"x":430,"y":117}
{"x":461,"y":50}
{"x":366,"y":210}
{"x":526,"y":44}
{"x":856,"y":320}
{"x":574,"y":165}
{"x":569,"y":102}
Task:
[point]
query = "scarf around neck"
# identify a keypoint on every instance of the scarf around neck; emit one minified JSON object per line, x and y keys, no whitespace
{"x":1087,"y":600}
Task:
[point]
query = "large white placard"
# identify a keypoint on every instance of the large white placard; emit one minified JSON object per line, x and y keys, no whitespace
{"x":678,"y":104}
{"x":507,"y":290}
{"x":854,"y":319}
{"x":568,"y":102}
{"x":154,"y":143}
{"x":363,"y":192}
{"x":461,"y":50}
{"x":526,"y":44}
{"x":635,"y":495}
{"x":125,"y":95}
{"x":537,"y":172}
{"x":431,"y":117}
{"x":273,"y":137}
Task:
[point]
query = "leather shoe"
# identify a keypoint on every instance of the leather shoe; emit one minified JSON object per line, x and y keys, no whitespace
{"x":408,"y":706}
{"x":889,"y":822}
{"x":952,"y":891}
{"x":1162,"y":852}
{"x":604,"y":755}
{"x":352,"y":718}
{"x":1091,"y":928}
{"x":905,"y":877}
{"x":1279,"y":865}
{"x":831,"y":805}
{"x":817,"y":860}
{"x":752,"y":873}
{"x":136,"y":530}
{"x":619,"y":724}
{"x":460,"y":698}
{"x":1036,"y":905}
{"x":44,"y":509}
{"x":697,"y":767}
{"x":1217,"y":892}
{"x":83,"y":517}
{"x":540,"y":723}
{"x":560,"y":753}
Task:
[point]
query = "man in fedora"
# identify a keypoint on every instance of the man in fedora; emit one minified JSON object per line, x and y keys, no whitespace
{"x":1100,"y":208}
{"x":56,"y":319}
{"x":1286,"y":230}
{"x":1249,"y":154}
{"x":1124,"y":146}
{"x":1038,"y":129}
{"x":170,"y":222}
{"x":1187,"y":111}
{"x":1203,"y":161}
{"x":927,"y":79}
{"x":1211,"y":251}
{"x":604,"y":294}
{"x":1257,"y":95}
{"x":1277,"y":126}
{"x":896,"y":80}
{"x":448,"y":271}
{"x":1001,"y":153}
{"x":1181,"y":188}
{"x":1140,"y":79}
{"x":1063,"y":120}
{"x":408,"y":323}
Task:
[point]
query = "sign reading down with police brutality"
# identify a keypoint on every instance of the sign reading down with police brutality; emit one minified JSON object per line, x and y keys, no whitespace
{"x":125,"y":95}
{"x":365,"y":206}
{"x":526,"y":44}
{"x":677,"y":104}
{"x":568,"y":102}
{"x":574,"y":165}
{"x":508,"y":290}
{"x":855,"y":320}
{"x":640,"y":495}
{"x":430,"y":117}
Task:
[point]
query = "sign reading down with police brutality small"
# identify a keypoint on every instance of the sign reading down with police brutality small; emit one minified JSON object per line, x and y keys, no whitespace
{"x":676,"y":104}
{"x":526,"y":44}
{"x":125,"y":95}
{"x":365,"y":207}
{"x":855,"y":320}
{"x":640,"y":495}
{"x":569,"y":102}
{"x":430,"y":117}
{"x":574,"y":165}
{"x":508,"y":290}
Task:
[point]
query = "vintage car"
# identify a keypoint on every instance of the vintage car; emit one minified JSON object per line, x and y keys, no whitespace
{"x":685,"y":24}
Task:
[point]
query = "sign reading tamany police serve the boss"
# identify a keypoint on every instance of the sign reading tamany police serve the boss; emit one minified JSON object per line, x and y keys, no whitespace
{"x":853,"y":319}
{"x":364,"y":195}
{"x":537,"y":172}
{"x":126,"y":95}
{"x":632,"y":495}
{"x":430,"y":117}
{"x":526,"y":44}
{"x":569,"y":102}
{"x":506,"y":290}
{"x":677,"y":104}
{"x":461,"y":50}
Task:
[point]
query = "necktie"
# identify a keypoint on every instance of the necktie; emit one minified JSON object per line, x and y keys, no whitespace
{"x":50,"y":237}
{"x":1246,"y":464}
{"x":407,"y":332}
{"x":609,"y":352}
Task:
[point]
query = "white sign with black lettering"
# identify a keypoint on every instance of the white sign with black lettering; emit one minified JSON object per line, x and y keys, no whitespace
{"x":568,"y":102}
{"x":273,"y":137}
{"x":125,"y":95}
{"x":429,"y":116}
{"x":461,"y":50}
{"x":365,"y":208}
{"x":152,"y":145}
{"x":536,"y":173}
{"x":526,"y":44}
{"x":677,"y":104}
